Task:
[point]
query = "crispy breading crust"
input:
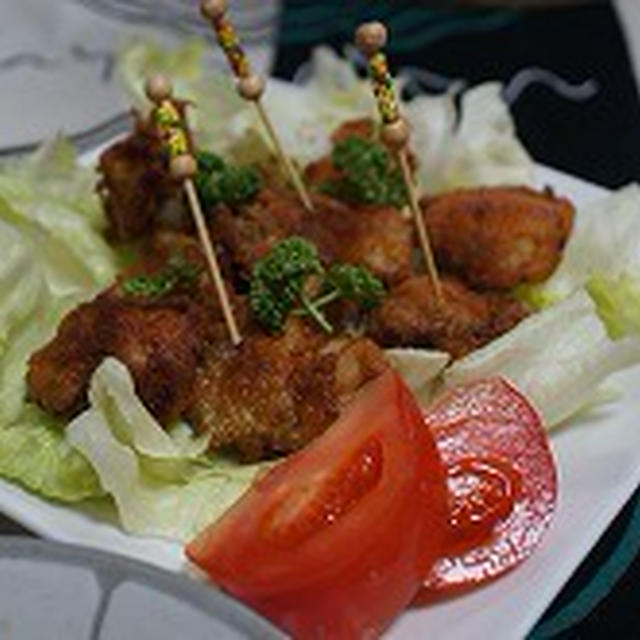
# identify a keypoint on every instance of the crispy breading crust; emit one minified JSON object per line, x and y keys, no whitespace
{"x":411,"y":316}
{"x":274,"y":394}
{"x":497,"y":238}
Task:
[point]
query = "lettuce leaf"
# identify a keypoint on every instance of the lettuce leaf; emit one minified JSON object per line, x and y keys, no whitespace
{"x":161,"y":483}
{"x":420,"y":369}
{"x":557,"y":357}
{"x":603,"y":255}
{"x":59,"y":177}
{"x":35,"y":453}
{"x":50,"y":201}
{"x":112,"y":389}
{"x":476,"y":146}
{"x":22,"y":284}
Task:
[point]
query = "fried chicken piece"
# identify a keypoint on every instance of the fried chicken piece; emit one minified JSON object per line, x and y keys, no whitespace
{"x":59,"y":372}
{"x":497,"y":238}
{"x":160,"y":343}
{"x":274,"y":394}
{"x":161,"y":339}
{"x":379,"y":238}
{"x":359,"y":127}
{"x":134,"y":182}
{"x":411,"y":316}
{"x":247,"y":233}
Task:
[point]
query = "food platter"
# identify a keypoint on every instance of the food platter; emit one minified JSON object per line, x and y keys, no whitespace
{"x":599,"y":465}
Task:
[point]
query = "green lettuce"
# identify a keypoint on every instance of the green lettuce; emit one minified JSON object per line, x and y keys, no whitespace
{"x":162,"y":483}
{"x":22,"y":284}
{"x":59,"y":177}
{"x":35,"y":453}
{"x":50,"y":201}
{"x":53,"y":258}
{"x":603,"y":256}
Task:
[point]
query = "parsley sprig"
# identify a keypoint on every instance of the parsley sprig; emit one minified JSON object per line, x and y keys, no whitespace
{"x":280,"y":279}
{"x":367,"y":174}
{"x":218,"y":182}
{"x":177,"y":271}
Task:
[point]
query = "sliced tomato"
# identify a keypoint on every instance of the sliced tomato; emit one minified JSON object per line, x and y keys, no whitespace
{"x":336,"y":540}
{"x":502,"y":483}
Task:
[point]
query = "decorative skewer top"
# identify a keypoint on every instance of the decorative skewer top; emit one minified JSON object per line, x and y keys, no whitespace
{"x":167,"y":118}
{"x":172,"y":127}
{"x":158,"y":88}
{"x":370,"y":39}
{"x":250,"y":85}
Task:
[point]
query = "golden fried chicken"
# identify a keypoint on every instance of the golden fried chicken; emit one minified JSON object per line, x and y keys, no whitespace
{"x":379,"y":238}
{"x":134,"y":182}
{"x":410,"y":316}
{"x":160,"y":343}
{"x":246,"y":233}
{"x":497,"y":238}
{"x":274,"y":394}
{"x":159,"y":337}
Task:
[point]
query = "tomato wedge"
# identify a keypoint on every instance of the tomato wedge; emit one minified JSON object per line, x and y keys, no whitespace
{"x":336,"y":540}
{"x":502,"y":483}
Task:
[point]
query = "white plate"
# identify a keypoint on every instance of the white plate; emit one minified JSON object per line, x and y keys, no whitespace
{"x":599,"y":464}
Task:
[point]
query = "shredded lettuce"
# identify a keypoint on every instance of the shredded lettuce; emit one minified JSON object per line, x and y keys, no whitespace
{"x":35,"y":453}
{"x":161,"y":483}
{"x":557,"y":357}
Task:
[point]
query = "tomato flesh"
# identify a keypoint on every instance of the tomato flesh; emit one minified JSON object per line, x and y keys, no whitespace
{"x":501,"y":479}
{"x":335,"y":541}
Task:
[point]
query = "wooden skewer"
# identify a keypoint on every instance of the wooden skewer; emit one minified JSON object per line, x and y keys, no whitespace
{"x":250,"y":86}
{"x":183,"y":167}
{"x":371,"y":37}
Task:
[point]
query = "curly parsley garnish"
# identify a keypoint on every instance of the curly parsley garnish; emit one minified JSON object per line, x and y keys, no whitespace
{"x":280,"y":278}
{"x":177,"y":271}
{"x":218,"y":182}
{"x":368,"y":174}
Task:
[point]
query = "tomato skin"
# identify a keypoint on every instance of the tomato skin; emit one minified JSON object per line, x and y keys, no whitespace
{"x":376,"y":479}
{"x":513,"y":491}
